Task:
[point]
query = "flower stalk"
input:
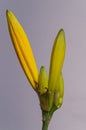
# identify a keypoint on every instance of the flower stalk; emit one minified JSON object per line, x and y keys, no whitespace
{"x":50,"y":89}
{"x":46,"y":118}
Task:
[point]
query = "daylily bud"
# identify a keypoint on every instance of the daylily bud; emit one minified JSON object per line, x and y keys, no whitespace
{"x":57,"y":59}
{"x":23,"y":49}
{"x":55,"y":83}
{"x":42,"y":81}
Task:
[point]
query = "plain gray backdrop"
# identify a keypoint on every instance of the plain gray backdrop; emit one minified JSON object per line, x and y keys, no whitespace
{"x":42,"y":19}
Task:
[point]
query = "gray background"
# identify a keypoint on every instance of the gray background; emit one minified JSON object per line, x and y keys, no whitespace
{"x":42,"y":19}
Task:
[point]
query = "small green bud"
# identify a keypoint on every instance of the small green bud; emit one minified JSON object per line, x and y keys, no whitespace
{"x":42,"y":81}
{"x":46,"y":97}
{"x":58,"y":96}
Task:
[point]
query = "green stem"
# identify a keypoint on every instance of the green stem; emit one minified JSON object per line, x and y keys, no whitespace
{"x":46,"y":117}
{"x":45,"y":125}
{"x":45,"y":120}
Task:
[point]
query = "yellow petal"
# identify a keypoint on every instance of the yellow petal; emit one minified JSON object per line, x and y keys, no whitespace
{"x":57,"y":59}
{"x":22,"y":48}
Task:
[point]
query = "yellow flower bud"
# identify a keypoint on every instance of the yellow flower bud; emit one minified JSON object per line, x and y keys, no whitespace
{"x":22,"y":48}
{"x":57,"y":59}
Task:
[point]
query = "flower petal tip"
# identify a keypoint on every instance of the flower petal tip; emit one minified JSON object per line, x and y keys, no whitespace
{"x":7,"y":11}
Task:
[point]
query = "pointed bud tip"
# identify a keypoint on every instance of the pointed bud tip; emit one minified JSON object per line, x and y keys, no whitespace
{"x":61,"y":31}
{"x":7,"y":11}
{"x":42,"y":67}
{"x":9,"y":14}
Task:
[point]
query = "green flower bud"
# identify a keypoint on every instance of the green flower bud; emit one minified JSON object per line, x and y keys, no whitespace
{"x":59,"y":93}
{"x":42,"y":81}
